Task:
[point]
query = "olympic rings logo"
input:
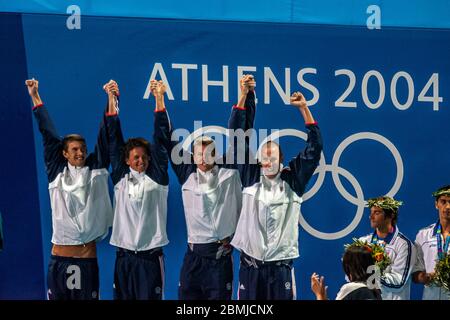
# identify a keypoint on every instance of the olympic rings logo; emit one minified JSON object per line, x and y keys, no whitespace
{"x":323,"y":168}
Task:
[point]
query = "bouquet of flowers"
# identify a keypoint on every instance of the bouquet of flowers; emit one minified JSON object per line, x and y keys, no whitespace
{"x":379,"y":255}
{"x":441,"y":276}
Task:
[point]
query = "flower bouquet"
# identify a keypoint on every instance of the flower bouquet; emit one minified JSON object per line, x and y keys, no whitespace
{"x":382,"y":260}
{"x":441,"y":276}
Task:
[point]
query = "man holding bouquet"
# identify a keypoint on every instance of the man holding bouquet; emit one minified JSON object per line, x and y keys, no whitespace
{"x":432,"y":245}
{"x":395,"y":281}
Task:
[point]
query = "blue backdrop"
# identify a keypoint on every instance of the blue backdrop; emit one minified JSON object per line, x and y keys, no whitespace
{"x":363,"y":84}
{"x":21,"y":268}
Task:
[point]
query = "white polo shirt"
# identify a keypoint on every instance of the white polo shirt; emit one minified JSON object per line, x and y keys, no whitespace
{"x":427,"y":254}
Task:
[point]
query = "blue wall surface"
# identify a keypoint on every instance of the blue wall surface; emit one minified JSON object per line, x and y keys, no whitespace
{"x":21,"y":268}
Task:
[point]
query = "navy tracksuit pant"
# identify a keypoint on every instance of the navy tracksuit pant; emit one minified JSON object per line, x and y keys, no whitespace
{"x":139,"y":275}
{"x":207,"y":273}
{"x":265,"y":280}
{"x":72,"y":278}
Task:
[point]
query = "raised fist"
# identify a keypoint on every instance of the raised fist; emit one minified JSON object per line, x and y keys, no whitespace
{"x":247,"y":83}
{"x":32,"y":86}
{"x":158,"y":88}
{"x":111,"y":88}
{"x":298,"y":100}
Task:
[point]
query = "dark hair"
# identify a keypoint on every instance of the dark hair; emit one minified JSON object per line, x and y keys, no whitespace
{"x":135,"y":143}
{"x":355,"y":262}
{"x":393,"y":214}
{"x":447,"y":187}
{"x":71,"y":138}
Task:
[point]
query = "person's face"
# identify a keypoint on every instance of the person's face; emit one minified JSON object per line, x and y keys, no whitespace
{"x":377,"y":218}
{"x":76,"y":153}
{"x":204,"y":157}
{"x":270,"y":160}
{"x":443,"y":206}
{"x":138,"y":159}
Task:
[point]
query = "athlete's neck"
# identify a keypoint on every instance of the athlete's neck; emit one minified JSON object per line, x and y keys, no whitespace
{"x":383,"y":231}
{"x":445,"y":226}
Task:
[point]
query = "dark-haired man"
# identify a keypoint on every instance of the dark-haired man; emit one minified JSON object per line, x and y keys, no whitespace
{"x":433,"y":243}
{"x":81,"y":207}
{"x":395,"y":283}
{"x":139,"y":174}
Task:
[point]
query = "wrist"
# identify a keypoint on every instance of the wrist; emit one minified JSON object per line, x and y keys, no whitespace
{"x":37,"y":101}
{"x":321,"y":297}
